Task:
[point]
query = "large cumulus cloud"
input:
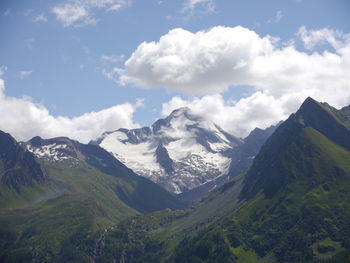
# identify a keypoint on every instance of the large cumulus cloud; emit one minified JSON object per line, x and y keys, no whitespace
{"x":196,"y":63}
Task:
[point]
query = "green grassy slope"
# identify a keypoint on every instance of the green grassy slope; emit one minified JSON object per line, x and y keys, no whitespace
{"x":312,"y":208}
{"x":80,"y":201}
{"x":75,"y":206}
{"x":308,"y":220}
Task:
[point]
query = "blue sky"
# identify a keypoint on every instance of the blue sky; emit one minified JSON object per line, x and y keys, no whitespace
{"x":69,"y":58}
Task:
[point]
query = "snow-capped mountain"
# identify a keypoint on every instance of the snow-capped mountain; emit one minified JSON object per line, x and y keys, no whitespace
{"x":180,"y":152}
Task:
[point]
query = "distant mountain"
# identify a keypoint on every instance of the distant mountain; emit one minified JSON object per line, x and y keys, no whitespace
{"x":18,"y":167}
{"x":181,"y":152}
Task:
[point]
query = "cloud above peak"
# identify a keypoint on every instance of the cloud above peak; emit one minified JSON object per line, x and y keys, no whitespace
{"x":238,"y":117}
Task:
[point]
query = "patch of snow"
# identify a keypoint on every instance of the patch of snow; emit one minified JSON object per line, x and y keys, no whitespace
{"x":218,"y":146}
{"x":175,"y":187}
{"x":183,"y":148}
{"x":51,"y":152}
{"x":138,"y":157}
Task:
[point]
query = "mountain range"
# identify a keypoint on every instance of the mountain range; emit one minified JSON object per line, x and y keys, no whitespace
{"x":279,"y":195}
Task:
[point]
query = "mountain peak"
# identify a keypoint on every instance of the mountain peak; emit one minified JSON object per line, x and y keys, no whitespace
{"x":6,"y":141}
{"x":311,"y":112}
{"x":310,"y":100}
{"x":308,"y":104}
{"x":184,"y":112}
{"x":178,"y":116}
{"x":180,"y":111}
{"x":311,"y":105}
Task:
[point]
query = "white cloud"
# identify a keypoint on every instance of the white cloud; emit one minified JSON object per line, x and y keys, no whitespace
{"x":80,"y":12}
{"x":207,"y":6}
{"x":197,"y":63}
{"x":25,"y":73}
{"x":70,"y":14}
{"x":112,"y":74}
{"x":311,"y":38}
{"x":212,"y":61}
{"x":276,"y":19}
{"x":3,"y":69}
{"x":41,"y":18}
{"x":109,"y":70}
{"x":116,"y":7}
{"x":23,"y":119}
{"x":279,"y":16}
{"x":112,"y":58}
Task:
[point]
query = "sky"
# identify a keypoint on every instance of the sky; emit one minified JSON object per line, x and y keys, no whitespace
{"x":79,"y":68}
